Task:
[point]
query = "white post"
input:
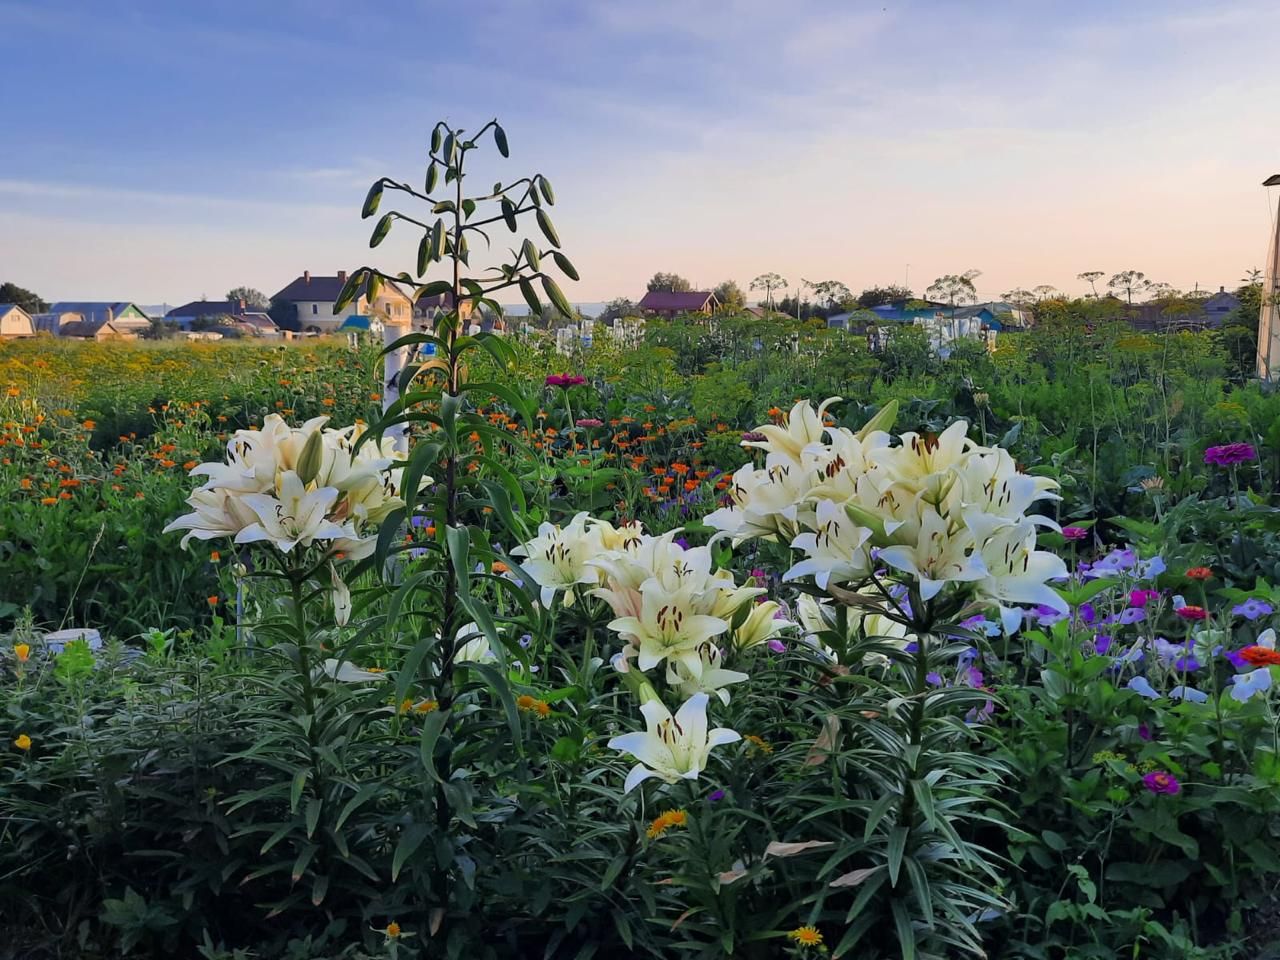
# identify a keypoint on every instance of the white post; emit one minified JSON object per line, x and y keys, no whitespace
{"x":1269,"y":319}
{"x":392,"y":366}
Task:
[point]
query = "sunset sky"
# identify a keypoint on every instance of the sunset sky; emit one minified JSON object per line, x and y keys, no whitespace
{"x":160,"y":150}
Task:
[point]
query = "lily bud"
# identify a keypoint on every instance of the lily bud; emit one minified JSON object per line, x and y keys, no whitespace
{"x":311,"y":457}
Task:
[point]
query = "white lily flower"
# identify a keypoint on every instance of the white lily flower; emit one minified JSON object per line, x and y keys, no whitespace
{"x":217,"y":514}
{"x":295,"y":516}
{"x":672,"y":748}
{"x":344,"y":671}
{"x":341,"y":595}
{"x":668,"y":626}
{"x":557,"y":558}
{"x":761,"y":626}
{"x":837,"y":548}
{"x":801,"y":427}
{"x":714,"y":679}
{"x":1014,"y":572}
{"x":938,"y":556}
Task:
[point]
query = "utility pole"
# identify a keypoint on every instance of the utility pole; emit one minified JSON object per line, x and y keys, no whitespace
{"x":1268,"y":321}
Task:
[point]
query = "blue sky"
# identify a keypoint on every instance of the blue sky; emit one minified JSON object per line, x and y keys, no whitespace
{"x":157,"y":151}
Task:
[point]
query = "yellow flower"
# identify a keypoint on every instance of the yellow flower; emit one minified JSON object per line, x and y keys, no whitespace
{"x":533,"y":705}
{"x":426,"y":706}
{"x":23,"y":652}
{"x":757,"y":743}
{"x":406,"y":704}
{"x":806,"y":936}
{"x":23,"y":742}
{"x":665,"y":821}
{"x":393,"y":930}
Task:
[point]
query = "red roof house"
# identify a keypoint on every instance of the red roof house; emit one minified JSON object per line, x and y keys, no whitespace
{"x":669,"y":303}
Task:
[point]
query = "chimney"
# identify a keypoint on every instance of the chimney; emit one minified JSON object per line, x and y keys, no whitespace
{"x":342,"y":276}
{"x":1222,"y":289}
{"x":306,"y":276}
{"x":242,"y":304}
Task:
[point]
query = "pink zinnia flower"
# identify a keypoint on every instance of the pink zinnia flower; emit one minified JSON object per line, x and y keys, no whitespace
{"x":564,"y":380}
{"x":1191,"y":612}
{"x":1158,"y":781}
{"x":1074,"y":533}
{"x":590,"y":422}
{"x":1230,"y":454}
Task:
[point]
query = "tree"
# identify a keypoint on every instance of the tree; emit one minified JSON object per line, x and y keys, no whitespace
{"x":616,"y":309}
{"x":769,"y":282}
{"x":28,"y":301}
{"x":1046,"y":291}
{"x":670,"y":281}
{"x":1092,"y":276}
{"x":1129,"y":281}
{"x":955,"y":288}
{"x":1019,"y":297}
{"x":731,"y":296}
{"x":878,"y":296}
{"x":251,"y":297}
{"x":829,"y":293}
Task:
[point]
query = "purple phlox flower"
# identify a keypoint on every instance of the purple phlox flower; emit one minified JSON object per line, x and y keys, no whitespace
{"x":981,"y":715}
{"x":912,"y":647}
{"x":1101,"y":644}
{"x":589,"y":422}
{"x":934,"y":679}
{"x":975,"y":677}
{"x":753,"y":436}
{"x":1142,"y":687}
{"x":682,"y":543}
{"x":1230,"y":454}
{"x":1144,"y":731}
{"x":1253,"y":609}
{"x":526,"y":639}
{"x":1160,"y":781}
{"x":1046,"y":616}
{"x":968,"y":656}
{"x":1117,"y":561}
{"x":757,"y":573}
{"x":716,"y":796}
{"x":1235,"y":659}
{"x":1140,"y":598}
{"x":1179,"y":601}
{"x":777,"y":646}
{"x":1245,"y":685}
{"x":979,"y":623}
{"x":1150,"y":569}
{"x":1088,"y":613}
{"x":1190,"y":694}
{"x":1131,"y":615}
{"x":1075,"y":533}
{"x":418,"y":520}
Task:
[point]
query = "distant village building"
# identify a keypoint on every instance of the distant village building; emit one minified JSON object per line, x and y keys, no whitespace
{"x":1181,"y":314}
{"x":15,"y":322}
{"x":235,"y":315}
{"x":671,"y":303}
{"x":313,"y":297}
{"x":93,"y":320}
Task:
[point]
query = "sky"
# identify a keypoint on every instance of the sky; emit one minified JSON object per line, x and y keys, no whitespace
{"x":158,"y":151}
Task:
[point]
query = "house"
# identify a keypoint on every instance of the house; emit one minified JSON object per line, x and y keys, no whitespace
{"x":313,"y":297}
{"x":15,"y":322}
{"x":1219,"y":306}
{"x":1182,"y":314}
{"x":233,"y":314}
{"x":94,"y":320}
{"x":427,"y":309}
{"x":671,"y":303}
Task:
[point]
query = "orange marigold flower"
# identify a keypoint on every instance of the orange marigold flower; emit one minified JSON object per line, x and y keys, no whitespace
{"x":23,"y":742}
{"x":189,"y":465}
{"x":64,"y":495}
{"x":666,"y":821}
{"x":88,"y":424}
{"x":214,"y":556}
{"x":393,"y":930}
{"x":805,"y":937}
{"x":26,"y":483}
{"x":1199,"y":573}
{"x":212,"y":601}
{"x":22,"y":651}
{"x":499,"y":567}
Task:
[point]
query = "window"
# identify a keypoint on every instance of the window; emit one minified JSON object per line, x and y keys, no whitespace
{"x":315,"y":308}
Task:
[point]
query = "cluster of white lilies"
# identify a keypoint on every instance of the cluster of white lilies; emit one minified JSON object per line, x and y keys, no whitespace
{"x":673,"y":611}
{"x":932,"y":513}
{"x":292,"y":487}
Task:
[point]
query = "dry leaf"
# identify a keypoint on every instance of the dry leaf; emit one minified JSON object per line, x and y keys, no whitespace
{"x":777,"y":849}
{"x":680,"y":919}
{"x":435,"y":919}
{"x":828,"y":740}
{"x":853,"y":877}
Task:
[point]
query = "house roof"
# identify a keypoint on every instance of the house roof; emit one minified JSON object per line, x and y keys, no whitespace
{"x":356,"y":321}
{"x":675,"y":300}
{"x":6,"y":307}
{"x":206,"y":308}
{"x":94,"y":311}
{"x":325,"y":289}
{"x":260,"y":320}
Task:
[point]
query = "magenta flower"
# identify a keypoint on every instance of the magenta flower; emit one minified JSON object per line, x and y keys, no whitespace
{"x":1158,"y":781}
{"x":1192,"y":612}
{"x":564,"y":380}
{"x":1074,"y":533}
{"x":753,"y":436}
{"x":590,"y":422}
{"x":1140,"y":598}
{"x":1230,"y":454}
